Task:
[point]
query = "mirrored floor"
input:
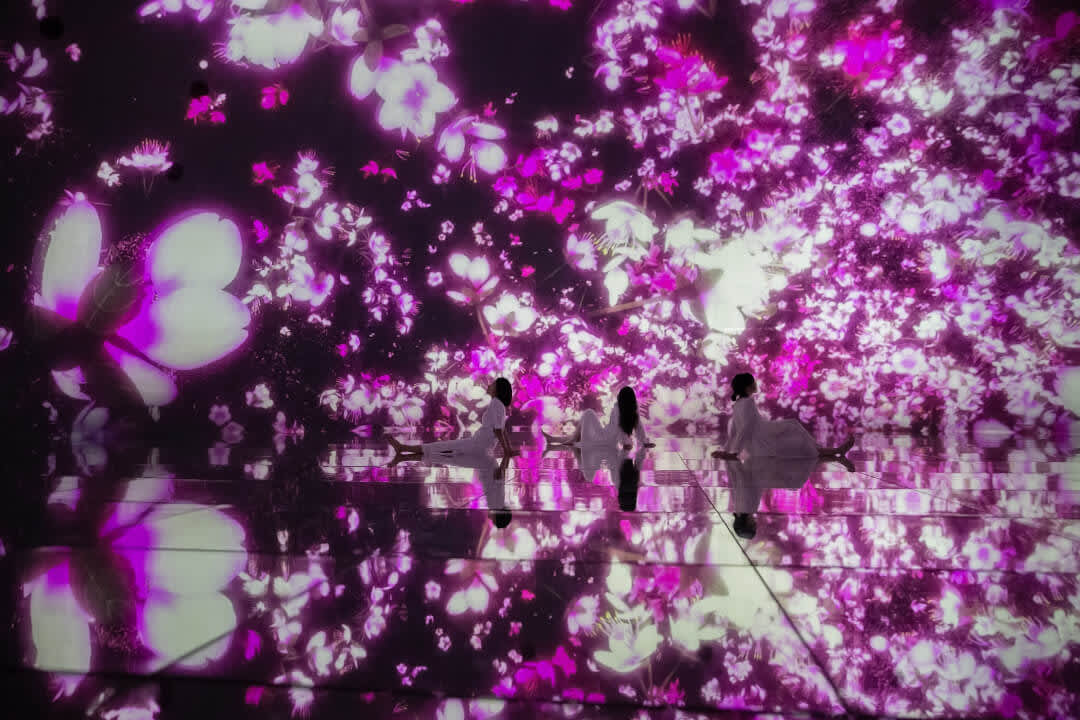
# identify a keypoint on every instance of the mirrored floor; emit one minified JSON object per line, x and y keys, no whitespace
{"x":922,"y":581}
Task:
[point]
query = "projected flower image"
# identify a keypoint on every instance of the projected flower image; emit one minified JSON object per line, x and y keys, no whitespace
{"x":876,"y":220}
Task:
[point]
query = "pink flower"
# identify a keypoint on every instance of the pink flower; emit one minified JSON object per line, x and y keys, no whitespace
{"x":271,"y":40}
{"x":506,"y":186}
{"x":412,"y":97}
{"x":259,"y":397}
{"x":206,"y":108}
{"x":726,"y":164}
{"x":989,"y":180}
{"x":220,"y":415}
{"x":181,"y":615}
{"x":488,"y":156}
{"x":233,"y":433}
{"x":477,"y":273}
{"x":509,"y":316}
{"x":150,"y":156}
{"x":344,"y":25}
{"x":273,"y":96}
{"x":688,"y":73}
{"x":871,"y":56}
{"x":909,"y":361}
{"x":581,"y":253}
{"x":261,"y":172}
{"x":185,"y":322}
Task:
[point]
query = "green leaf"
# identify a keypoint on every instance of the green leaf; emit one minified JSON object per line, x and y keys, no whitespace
{"x":393,"y":31}
{"x":108,"y":384}
{"x":311,"y":7}
{"x":373,"y":54}
{"x":112,"y":298}
{"x":104,"y":585}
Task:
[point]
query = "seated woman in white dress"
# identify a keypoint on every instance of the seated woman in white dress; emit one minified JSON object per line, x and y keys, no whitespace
{"x":491,"y":431}
{"x":623,"y":422}
{"x":757,"y":436}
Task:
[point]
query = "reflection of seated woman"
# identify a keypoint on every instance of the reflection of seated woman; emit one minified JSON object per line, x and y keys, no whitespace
{"x":629,"y":480}
{"x":623,"y":422}
{"x":492,"y":477}
{"x":753,"y":476}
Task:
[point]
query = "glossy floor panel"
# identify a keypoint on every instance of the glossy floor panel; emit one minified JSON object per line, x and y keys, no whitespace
{"x":942,"y":643}
{"x":924,"y":582}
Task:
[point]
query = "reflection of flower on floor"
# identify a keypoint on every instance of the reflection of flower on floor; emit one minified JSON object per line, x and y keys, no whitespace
{"x":172,"y":589}
{"x":630,"y":646}
{"x":474,"y":597}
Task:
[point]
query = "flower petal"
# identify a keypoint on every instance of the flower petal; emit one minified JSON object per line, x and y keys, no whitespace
{"x":202,"y":250}
{"x":183,"y":548}
{"x":479,"y":270}
{"x":71,"y":259}
{"x":452,"y":143}
{"x":487,"y":131}
{"x":189,"y":328}
{"x":60,"y":628}
{"x":490,"y":157}
{"x":155,"y":386}
{"x":361,"y":78}
{"x":188,"y":630}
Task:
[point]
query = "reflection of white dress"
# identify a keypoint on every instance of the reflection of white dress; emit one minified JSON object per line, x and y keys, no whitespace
{"x":760,"y":436}
{"x":479,"y":442}
{"x":593,"y":433}
{"x":753,"y":476}
{"x":592,"y":458}
{"x":485,"y":466}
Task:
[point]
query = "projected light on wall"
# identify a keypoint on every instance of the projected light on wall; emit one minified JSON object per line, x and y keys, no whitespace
{"x":873,"y":211}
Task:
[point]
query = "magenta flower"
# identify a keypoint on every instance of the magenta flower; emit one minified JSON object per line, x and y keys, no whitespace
{"x":477,"y":273}
{"x":689,"y":73}
{"x":726,"y":164}
{"x":871,"y":56}
{"x":189,"y":320}
{"x":412,"y":97}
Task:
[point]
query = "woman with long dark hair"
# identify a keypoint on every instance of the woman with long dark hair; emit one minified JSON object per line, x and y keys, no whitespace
{"x":483,"y":440}
{"x":623,"y":422}
{"x":761,"y":437}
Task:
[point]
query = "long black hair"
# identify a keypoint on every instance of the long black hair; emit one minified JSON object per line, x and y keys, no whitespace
{"x":504,"y":391}
{"x":501,"y":518}
{"x":740,"y":384}
{"x":628,"y":414}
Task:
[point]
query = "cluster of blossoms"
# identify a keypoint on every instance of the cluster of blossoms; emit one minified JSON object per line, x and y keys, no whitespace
{"x":30,"y":102}
{"x":876,"y":224}
{"x":324,"y":233}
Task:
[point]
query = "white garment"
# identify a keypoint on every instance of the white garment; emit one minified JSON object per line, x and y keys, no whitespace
{"x":593,"y":433}
{"x":485,"y":467}
{"x":479,"y":442}
{"x":759,"y":436}
{"x":752,"y":477}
